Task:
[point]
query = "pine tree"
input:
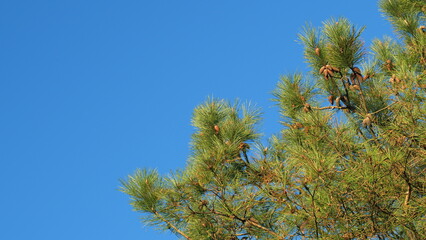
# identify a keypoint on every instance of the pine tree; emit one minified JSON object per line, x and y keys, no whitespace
{"x":349,"y":162}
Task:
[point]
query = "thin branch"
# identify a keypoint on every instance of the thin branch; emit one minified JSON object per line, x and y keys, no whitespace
{"x":246,"y":157}
{"x":263,"y":228}
{"x":409,"y":190}
{"x":171,"y":225}
{"x":233,"y":215}
{"x":364,"y":102}
{"x":312,"y":194}
{"x":346,"y":90}
{"x":329,"y":107}
{"x":384,"y":108}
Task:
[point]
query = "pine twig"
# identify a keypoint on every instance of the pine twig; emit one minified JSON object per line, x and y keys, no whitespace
{"x":384,"y":108}
{"x":330,"y":107}
{"x":408,"y":195}
{"x":172,"y":226}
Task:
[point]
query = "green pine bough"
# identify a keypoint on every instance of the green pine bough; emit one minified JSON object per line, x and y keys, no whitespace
{"x":349,"y":162}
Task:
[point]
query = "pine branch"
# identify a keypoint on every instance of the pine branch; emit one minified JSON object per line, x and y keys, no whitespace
{"x":329,"y":107}
{"x":171,"y":225}
{"x":384,"y":108}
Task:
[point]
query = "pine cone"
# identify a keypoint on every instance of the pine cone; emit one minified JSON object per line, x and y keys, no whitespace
{"x":307,"y":107}
{"x":331,"y":99}
{"x":389,"y":65}
{"x":216,"y":128}
{"x":328,"y":73}
{"x":392,"y":79}
{"x":356,"y":70}
{"x":297,"y":125}
{"x":367,"y":120}
{"x":317,"y":51}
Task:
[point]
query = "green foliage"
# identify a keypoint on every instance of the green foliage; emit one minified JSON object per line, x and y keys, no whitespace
{"x":352,"y":167}
{"x":343,"y":43}
{"x":292,"y":95}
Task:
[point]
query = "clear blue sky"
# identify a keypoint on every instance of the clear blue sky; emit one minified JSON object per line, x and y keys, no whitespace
{"x":92,"y":90}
